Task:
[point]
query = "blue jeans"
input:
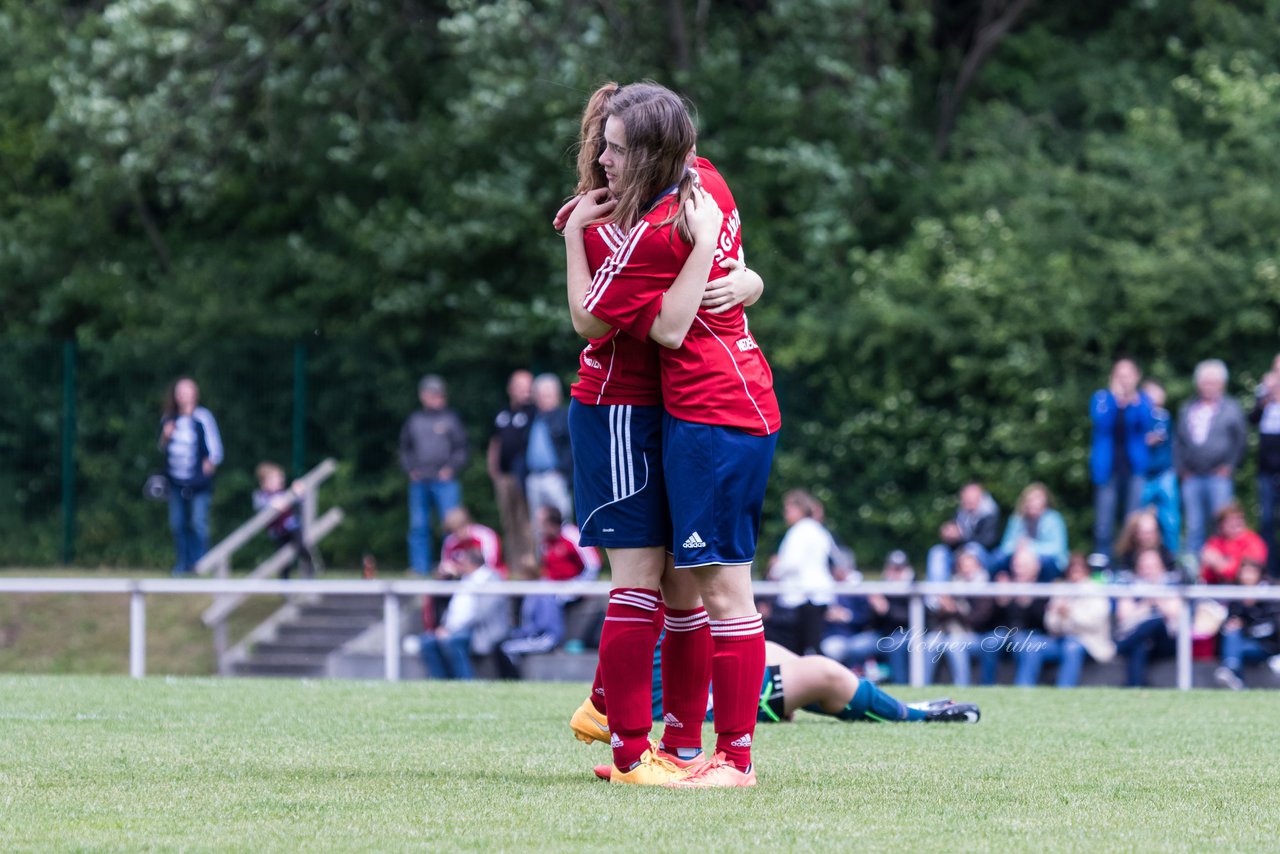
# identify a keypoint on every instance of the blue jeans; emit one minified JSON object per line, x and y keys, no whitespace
{"x":854,"y":650}
{"x":1202,"y":496}
{"x":449,"y":658}
{"x":1161,"y":494}
{"x":189,"y":520}
{"x":1238,"y":650}
{"x":1268,"y":486}
{"x":1106,"y":497}
{"x":956,"y":648}
{"x":1070,"y":655}
{"x":444,"y":495}
{"x":1150,"y":640}
{"x":942,"y":558}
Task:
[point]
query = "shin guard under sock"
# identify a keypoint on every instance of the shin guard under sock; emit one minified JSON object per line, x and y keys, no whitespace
{"x":737,"y":670}
{"x":686,"y":677}
{"x":626,"y":668}
{"x":870,"y":703}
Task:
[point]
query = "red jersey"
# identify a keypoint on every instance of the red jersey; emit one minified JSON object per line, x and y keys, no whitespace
{"x":718,"y":376}
{"x":614,"y":368}
{"x":474,"y":536}
{"x":561,"y":559}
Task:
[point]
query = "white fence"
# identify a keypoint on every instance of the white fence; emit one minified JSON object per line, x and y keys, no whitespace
{"x":393,"y":591}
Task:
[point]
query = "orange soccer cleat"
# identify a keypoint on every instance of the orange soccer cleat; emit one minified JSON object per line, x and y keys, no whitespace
{"x":649,"y":771}
{"x":588,"y":725}
{"x":718,"y":773}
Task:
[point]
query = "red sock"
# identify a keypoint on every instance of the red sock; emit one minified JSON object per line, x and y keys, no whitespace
{"x":597,"y":691}
{"x":686,"y":675}
{"x":737,"y":669}
{"x":626,"y":664}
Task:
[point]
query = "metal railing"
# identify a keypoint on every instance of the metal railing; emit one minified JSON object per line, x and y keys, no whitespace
{"x":393,"y":590}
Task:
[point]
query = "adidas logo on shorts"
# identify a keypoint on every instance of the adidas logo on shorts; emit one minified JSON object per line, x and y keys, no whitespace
{"x":745,"y":741}
{"x":694,"y":542}
{"x":672,"y":721}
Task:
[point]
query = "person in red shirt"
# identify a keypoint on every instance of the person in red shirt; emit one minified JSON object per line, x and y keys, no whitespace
{"x":562,"y":558}
{"x":721,"y":419}
{"x":464,"y":533}
{"x":1232,"y":544}
{"x":619,"y":492}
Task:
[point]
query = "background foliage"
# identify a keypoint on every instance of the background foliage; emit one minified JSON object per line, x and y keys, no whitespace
{"x":963,"y":212}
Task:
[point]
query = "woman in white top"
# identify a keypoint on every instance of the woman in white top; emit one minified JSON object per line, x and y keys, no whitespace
{"x":803,"y":567}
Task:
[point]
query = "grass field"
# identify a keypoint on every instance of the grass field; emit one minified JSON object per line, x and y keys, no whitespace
{"x":107,"y":763}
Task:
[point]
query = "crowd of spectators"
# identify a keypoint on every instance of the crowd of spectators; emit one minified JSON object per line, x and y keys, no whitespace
{"x":1165,"y":513}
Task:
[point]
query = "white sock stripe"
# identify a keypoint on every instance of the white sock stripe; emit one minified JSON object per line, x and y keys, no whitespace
{"x":645,"y":620}
{"x":686,"y":624}
{"x":737,"y":627}
{"x":635,"y":600}
{"x":732,"y":621}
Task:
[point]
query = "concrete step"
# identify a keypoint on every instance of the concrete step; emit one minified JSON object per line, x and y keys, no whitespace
{"x":330,"y":612}
{"x":306,"y":647}
{"x":352,"y":623}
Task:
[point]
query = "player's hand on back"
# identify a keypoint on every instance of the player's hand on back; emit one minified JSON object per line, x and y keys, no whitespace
{"x":739,"y":286}
{"x":704,"y":216}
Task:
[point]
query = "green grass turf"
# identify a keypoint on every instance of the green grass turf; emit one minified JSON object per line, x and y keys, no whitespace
{"x":107,"y":763}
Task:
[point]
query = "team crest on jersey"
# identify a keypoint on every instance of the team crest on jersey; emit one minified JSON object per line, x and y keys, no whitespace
{"x":748,"y":343}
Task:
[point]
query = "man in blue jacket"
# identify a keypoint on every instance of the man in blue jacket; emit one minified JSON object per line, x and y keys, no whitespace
{"x":1118,"y":457}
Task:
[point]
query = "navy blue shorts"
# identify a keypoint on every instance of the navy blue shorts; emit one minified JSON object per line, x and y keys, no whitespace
{"x":716,"y":478}
{"x":618,"y":489}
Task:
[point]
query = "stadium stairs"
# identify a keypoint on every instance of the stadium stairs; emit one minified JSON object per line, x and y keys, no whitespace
{"x":305,"y":634}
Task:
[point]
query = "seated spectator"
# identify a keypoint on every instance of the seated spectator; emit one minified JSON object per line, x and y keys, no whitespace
{"x":955,"y":619}
{"x":1141,"y":532}
{"x":1035,"y":525}
{"x":561,"y":557}
{"x":1146,"y":628}
{"x":1230,"y":546}
{"x":976,"y":526}
{"x":473,"y":623}
{"x":1078,"y":626}
{"x":803,"y":567}
{"x":1251,"y":632}
{"x":463,"y":533}
{"x":541,"y":629}
{"x":1020,"y":632}
{"x":882,"y":634}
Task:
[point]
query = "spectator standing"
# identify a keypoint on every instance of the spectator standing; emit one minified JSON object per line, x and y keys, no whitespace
{"x":1146,"y":628}
{"x":1231,"y":545}
{"x":1208,"y":445}
{"x":286,"y":528}
{"x":1078,"y":626}
{"x":433,"y":450}
{"x":803,"y":567}
{"x":192,"y":450}
{"x":1160,"y":492}
{"x":1266,"y":415}
{"x":473,"y":624}
{"x":1037,"y":526}
{"x":507,"y":443}
{"x":1251,"y":632}
{"x":548,"y":457}
{"x":976,"y":523}
{"x":1121,"y":416}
